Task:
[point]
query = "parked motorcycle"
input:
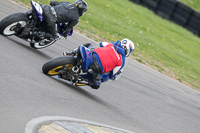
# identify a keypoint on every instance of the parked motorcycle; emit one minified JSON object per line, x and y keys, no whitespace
{"x":27,"y":25}
{"x":74,"y":67}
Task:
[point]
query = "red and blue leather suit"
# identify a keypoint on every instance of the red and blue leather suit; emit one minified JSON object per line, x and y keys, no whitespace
{"x":111,"y":59}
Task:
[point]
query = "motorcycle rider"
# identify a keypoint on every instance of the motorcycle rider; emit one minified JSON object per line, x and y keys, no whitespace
{"x":62,"y":12}
{"x":108,"y":60}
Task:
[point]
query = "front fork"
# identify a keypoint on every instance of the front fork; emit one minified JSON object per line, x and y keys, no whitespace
{"x":30,"y":26}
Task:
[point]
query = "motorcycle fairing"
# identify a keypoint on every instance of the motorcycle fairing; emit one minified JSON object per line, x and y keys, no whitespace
{"x":71,"y":32}
{"x":86,"y":56}
{"x":38,"y":10}
{"x":59,"y":25}
{"x":105,"y":77}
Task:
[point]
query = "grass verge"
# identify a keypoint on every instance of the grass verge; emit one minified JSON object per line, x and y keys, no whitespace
{"x":195,"y":4}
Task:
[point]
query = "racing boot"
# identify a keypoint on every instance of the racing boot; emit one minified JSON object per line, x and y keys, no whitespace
{"x":50,"y":38}
{"x":39,"y":34}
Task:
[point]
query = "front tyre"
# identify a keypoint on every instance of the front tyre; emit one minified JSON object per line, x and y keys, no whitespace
{"x":11,"y":24}
{"x":54,"y":66}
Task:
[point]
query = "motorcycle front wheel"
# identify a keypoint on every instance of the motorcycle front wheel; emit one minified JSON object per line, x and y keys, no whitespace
{"x":54,"y":66}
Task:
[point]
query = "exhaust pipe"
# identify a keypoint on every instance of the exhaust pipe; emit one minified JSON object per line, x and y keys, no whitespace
{"x":75,"y":69}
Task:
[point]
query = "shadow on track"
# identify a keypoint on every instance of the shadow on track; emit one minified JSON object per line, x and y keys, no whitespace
{"x":82,"y":92}
{"x":93,"y":97}
{"x":28,"y":47}
{"x":79,"y":90}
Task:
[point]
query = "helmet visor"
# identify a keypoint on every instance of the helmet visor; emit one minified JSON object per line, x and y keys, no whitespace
{"x":125,"y":49}
{"x":84,"y":11}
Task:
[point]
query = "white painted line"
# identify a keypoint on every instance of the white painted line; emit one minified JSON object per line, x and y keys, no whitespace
{"x":35,"y":123}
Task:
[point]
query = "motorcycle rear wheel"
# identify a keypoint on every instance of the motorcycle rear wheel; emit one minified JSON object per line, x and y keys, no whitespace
{"x":53,"y":66}
{"x":38,"y":45}
{"x":12,"y":23}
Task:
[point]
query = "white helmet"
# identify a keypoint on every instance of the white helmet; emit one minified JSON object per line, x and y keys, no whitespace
{"x":128,"y":46}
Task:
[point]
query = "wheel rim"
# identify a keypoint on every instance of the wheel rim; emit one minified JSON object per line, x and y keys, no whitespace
{"x":55,"y":71}
{"x":78,"y":84}
{"x":9,"y":30}
{"x":38,"y":45}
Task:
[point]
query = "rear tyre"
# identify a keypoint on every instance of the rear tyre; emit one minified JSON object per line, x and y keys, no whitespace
{"x":53,"y":66}
{"x":13,"y":23}
{"x":39,"y":45}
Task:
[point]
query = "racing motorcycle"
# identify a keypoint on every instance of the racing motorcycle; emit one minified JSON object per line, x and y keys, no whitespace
{"x":25,"y":25}
{"x":74,"y":67}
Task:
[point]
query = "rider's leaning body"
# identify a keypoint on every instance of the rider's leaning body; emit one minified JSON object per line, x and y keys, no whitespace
{"x":62,"y":12}
{"x":108,"y":61}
